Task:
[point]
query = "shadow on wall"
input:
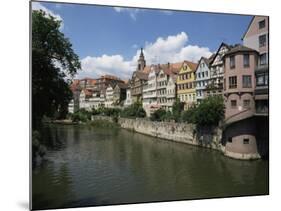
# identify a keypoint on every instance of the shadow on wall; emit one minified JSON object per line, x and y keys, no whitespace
{"x":253,"y":126}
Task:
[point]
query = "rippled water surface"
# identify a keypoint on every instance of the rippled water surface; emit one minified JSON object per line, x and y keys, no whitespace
{"x":95,"y":166}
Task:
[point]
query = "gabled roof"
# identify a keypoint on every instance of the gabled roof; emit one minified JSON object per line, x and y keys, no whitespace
{"x":141,"y":75}
{"x":191,"y":65}
{"x":221,"y":45}
{"x":239,"y":48}
{"x":207,"y":61}
{"x":122,"y":85}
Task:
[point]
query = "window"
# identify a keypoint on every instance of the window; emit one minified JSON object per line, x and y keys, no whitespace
{"x":246,"y":60}
{"x":262,"y":79}
{"x":246,"y":103}
{"x":262,"y":40}
{"x":232,"y":62}
{"x":247,"y":81}
{"x":229,"y":139}
{"x":206,"y":74}
{"x":199,"y":75}
{"x":263,"y":59}
{"x":233,"y":103}
{"x":224,"y":84}
{"x":262,"y":24}
{"x":246,"y":141}
{"x":203,"y":74}
{"x":232,"y":82}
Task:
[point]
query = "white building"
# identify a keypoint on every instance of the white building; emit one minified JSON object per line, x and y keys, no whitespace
{"x":217,"y":70}
{"x":109,"y":96}
{"x":162,"y":81}
{"x":171,"y":92}
{"x":86,"y":99}
{"x":71,"y":106}
{"x":149,"y":91}
{"x":203,"y":76}
{"x":128,"y":100}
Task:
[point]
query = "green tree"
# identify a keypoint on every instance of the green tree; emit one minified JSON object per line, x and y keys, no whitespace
{"x":53,"y":60}
{"x":210,"y":111}
{"x":177,"y":109}
{"x":189,"y":115}
{"x":158,"y":115}
{"x":134,"y":110}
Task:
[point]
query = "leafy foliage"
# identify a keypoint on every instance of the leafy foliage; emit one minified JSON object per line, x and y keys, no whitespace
{"x":189,"y":115}
{"x":52,"y":60}
{"x":81,"y":115}
{"x":134,"y":110}
{"x":177,"y":109}
{"x":210,"y":111}
{"x":158,"y":115}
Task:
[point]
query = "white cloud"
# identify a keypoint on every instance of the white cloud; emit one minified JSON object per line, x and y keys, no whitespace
{"x":132,"y":12}
{"x":39,"y":6}
{"x":112,"y":65}
{"x":171,"y":49}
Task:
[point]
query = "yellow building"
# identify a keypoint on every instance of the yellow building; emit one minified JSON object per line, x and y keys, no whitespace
{"x":186,"y":84}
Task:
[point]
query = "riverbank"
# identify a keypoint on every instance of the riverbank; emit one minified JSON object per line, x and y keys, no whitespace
{"x":173,"y":131}
{"x":178,"y":132}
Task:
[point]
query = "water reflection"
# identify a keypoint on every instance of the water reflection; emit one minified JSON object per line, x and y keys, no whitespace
{"x":94,"y":166}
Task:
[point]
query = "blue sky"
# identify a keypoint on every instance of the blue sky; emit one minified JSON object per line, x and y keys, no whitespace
{"x":107,"y":39}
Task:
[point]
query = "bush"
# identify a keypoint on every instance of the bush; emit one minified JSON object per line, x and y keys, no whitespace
{"x":81,"y":115}
{"x":177,"y":110}
{"x":210,"y":111}
{"x":96,"y":111}
{"x":189,"y":115}
{"x":112,"y":111}
{"x":158,"y":115}
{"x":134,"y":110}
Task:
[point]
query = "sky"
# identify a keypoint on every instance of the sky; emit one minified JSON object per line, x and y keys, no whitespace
{"x":108,"y":39}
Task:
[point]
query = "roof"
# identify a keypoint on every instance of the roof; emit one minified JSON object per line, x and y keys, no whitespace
{"x":239,"y":48}
{"x":207,"y":61}
{"x":191,"y":65}
{"x":146,"y":69}
{"x":211,"y":59}
{"x":141,"y":75}
{"x":122,"y":85}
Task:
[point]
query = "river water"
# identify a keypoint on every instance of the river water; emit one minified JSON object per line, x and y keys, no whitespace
{"x":89,"y":166}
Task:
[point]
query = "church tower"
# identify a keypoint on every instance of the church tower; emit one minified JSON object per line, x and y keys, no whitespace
{"x":141,"y":61}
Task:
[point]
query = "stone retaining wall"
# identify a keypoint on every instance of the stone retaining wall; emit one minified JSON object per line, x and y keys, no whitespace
{"x":179,"y":132}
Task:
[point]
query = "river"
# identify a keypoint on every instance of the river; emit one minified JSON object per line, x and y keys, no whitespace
{"x":88,"y":166}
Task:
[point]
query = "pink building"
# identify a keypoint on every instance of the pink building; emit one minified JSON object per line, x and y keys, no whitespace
{"x":257,"y":37}
{"x":238,"y":91}
{"x":239,"y":81}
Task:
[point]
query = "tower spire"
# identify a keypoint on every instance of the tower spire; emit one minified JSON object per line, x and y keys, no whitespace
{"x":141,"y":61}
